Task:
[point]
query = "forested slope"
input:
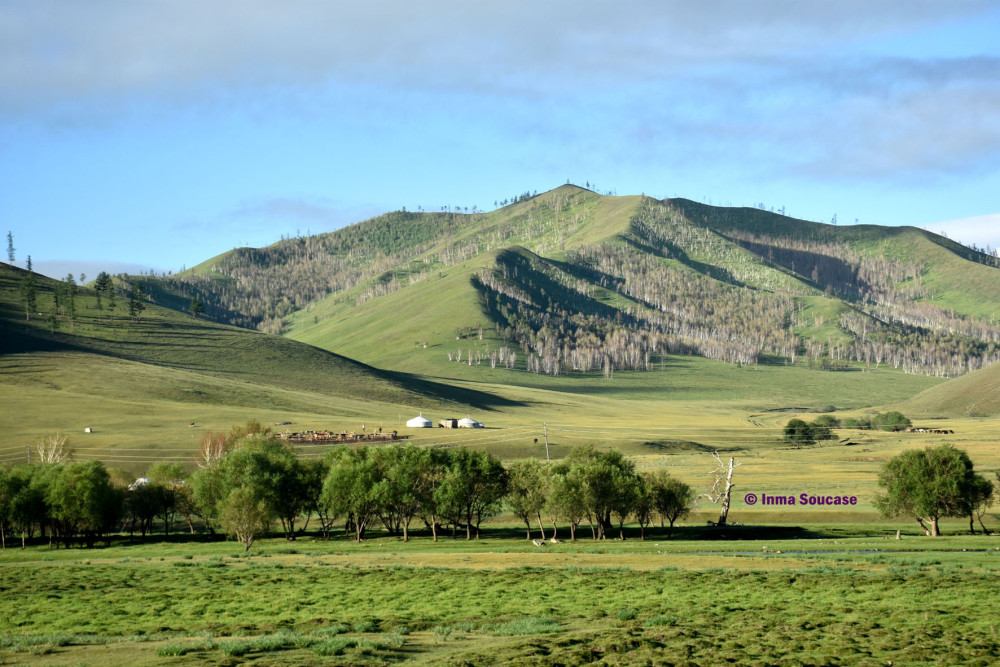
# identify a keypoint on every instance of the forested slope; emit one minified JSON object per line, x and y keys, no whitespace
{"x":572,"y":281}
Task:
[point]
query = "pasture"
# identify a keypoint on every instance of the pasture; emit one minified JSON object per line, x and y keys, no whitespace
{"x":832,"y":594}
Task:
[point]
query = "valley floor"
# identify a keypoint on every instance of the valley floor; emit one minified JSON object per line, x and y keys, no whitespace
{"x":835,"y":594}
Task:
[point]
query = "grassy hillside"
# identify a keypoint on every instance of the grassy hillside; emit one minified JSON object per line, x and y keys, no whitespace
{"x":632,"y":279}
{"x":974,"y":395}
{"x":956,"y":277}
{"x":140,"y":381}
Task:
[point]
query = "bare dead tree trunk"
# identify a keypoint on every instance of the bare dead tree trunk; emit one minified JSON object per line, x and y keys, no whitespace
{"x":722,"y":486}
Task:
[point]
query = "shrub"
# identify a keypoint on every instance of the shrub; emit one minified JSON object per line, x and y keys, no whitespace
{"x":660,"y":620}
{"x":332,"y":630}
{"x":525,"y":626}
{"x":799,"y":433}
{"x":626,"y":614}
{"x":891,"y":421}
{"x":826,"y":421}
{"x":334,"y":646}
{"x":235,"y":647}
{"x":172,"y":650}
{"x":365,"y":626}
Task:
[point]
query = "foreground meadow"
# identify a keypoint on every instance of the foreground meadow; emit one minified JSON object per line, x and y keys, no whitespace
{"x":838,"y":594}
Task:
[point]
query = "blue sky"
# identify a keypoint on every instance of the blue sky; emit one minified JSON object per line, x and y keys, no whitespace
{"x":154,"y":135}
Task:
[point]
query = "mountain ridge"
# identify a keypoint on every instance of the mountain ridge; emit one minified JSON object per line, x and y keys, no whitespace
{"x":892,"y":295}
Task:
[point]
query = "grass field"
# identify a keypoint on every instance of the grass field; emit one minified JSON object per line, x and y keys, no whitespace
{"x":830,"y":595}
{"x":793,"y":584}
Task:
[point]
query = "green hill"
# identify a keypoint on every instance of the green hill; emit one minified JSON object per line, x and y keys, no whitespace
{"x":570,"y":281}
{"x":974,"y":395}
{"x":639,"y":279}
{"x":567,"y":305}
{"x":128,"y":376}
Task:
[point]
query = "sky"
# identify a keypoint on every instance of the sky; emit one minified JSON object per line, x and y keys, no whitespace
{"x":138,"y":136}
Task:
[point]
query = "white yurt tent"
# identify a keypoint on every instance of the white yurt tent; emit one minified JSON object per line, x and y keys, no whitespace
{"x":469,"y":422}
{"x":420,"y":422}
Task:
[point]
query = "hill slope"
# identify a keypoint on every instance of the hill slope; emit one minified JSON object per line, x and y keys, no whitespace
{"x":62,"y":372}
{"x":570,"y":281}
{"x":974,"y":395}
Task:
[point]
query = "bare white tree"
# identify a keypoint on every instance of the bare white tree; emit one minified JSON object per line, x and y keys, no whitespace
{"x":53,"y":449}
{"x":722,"y":486}
{"x":213,"y":448}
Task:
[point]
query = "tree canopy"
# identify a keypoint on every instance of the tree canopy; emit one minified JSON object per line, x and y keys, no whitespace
{"x":929,"y":484}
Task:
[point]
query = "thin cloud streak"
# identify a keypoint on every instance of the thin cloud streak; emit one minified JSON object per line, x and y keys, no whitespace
{"x":53,"y":53}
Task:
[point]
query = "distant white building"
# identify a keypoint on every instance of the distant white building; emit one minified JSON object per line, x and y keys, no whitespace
{"x":420,"y":422}
{"x":139,"y":483}
{"x":469,"y":422}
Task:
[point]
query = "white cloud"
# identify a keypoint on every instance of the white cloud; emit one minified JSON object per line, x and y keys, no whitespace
{"x":53,"y":53}
{"x":981,"y":230}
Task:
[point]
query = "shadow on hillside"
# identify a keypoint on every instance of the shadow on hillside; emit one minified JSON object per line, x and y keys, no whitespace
{"x":677,"y":446}
{"x":441,"y":391}
{"x":671,"y":251}
{"x":24,"y":340}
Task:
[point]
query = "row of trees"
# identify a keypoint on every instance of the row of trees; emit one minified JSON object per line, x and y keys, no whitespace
{"x":63,"y":306}
{"x":800,"y":433}
{"x":247,"y":484}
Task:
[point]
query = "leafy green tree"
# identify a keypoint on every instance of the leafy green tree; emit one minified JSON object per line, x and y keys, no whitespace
{"x":927,"y":485}
{"x":607,"y":481}
{"x":403,"y":486}
{"x":527,"y":492}
{"x":245,"y":516}
{"x":142,"y":505}
{"x":891,"y":421}
{"x":799,"y":434}
{"x":314,"y":472}
{"x":104,"y":288}
{"x":671,"y":498}
{"x":165,"y":479}
{"x":567,"y":497}
{"x":10,"y":248}
{"x":83,"y":501}
{"x":822,"y":427}
{"x":137,"y":301}
{"x":24,"y":497}
{"x":269,"y":469}
{"x":433,"y":504}
{"x":474,"y":484}
{"x":643,"y":507}
{"x":196,"y":307}
{"x":351,"y":488}
{"x":980,"y":500}
{"x":627,"y":493}
{"x":859,"y":423}
{"x":208,"y":490}
{"x":826,"y":421}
